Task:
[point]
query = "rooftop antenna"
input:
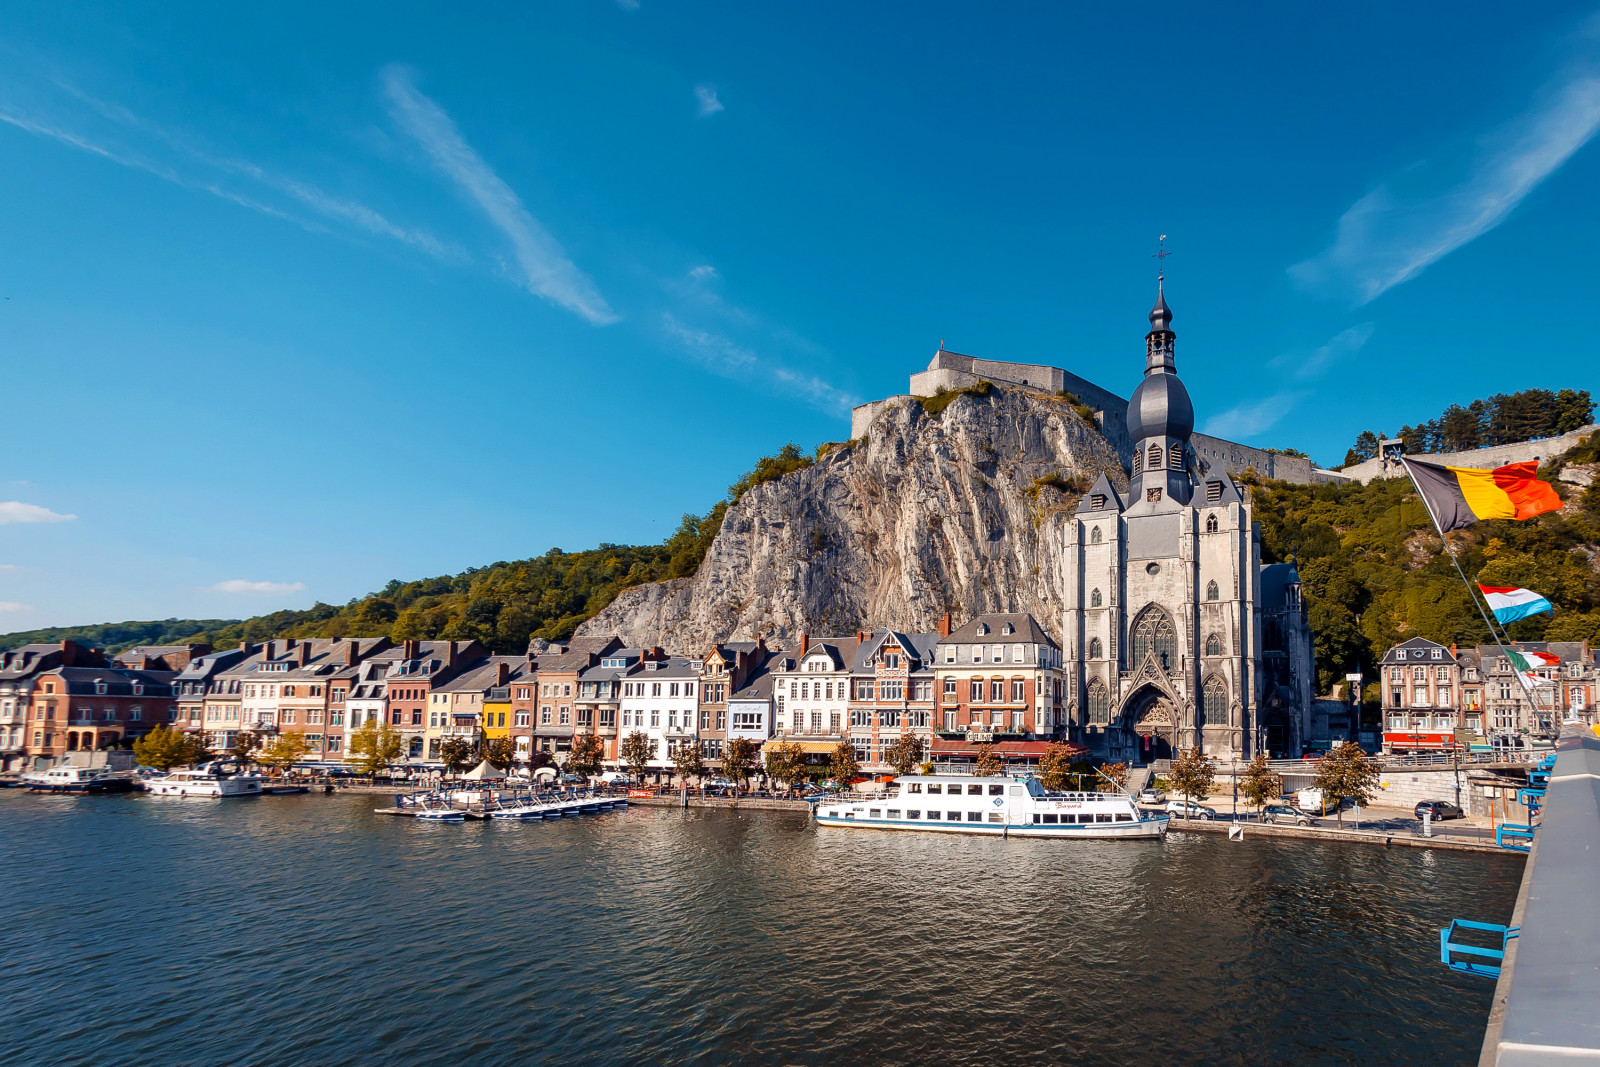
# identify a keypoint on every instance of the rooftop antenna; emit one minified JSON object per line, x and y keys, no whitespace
{"x":1161,"y":258}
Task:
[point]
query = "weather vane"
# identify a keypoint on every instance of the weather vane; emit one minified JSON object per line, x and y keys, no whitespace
{"x":1161,"y":256}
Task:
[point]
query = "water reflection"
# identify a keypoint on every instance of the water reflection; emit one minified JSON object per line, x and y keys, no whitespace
{"x":310,"y":930}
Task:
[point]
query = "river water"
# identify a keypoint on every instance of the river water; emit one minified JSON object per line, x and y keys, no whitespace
{"x":309,"y":930}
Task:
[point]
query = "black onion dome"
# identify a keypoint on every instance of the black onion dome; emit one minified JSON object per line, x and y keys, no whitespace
{"x":1160,"y":407}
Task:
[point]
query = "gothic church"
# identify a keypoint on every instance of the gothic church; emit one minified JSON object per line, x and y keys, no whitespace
{"x":1176,"y":635}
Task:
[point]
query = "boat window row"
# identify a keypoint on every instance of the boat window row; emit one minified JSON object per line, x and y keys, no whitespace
{"x":935,"y":816}
{"x":974,"y":789}
{"x":1049,"y":818}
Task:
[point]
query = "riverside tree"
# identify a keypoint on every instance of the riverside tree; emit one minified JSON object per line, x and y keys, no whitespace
{"x":786,"y":762}
{"x":688,"y":762}
{"x":842,"y":764}
{"x":739,"y":760}
{"x":456,"y":754}
{"x":588,"y":753}
{"x":164,"y":748}
{"x":635,"y":752}
{"x":1347,"y":773}
{"x":246,"y":743}
{"x":1055,"y":767}
{"x":284,"y":751}
{"x":1259,"y":785}
{"x":906,"y":752}
{"x":1191,"y":776}
{"x":988,"y":762}
{"x":1115,"y":773}
{"x":375,"y":745}
{"x":499,"y":751}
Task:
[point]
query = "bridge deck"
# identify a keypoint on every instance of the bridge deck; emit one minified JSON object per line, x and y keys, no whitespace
{"x":1544,"y":1008}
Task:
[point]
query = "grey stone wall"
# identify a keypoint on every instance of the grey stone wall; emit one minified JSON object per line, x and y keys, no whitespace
{"x":1486,"y":458}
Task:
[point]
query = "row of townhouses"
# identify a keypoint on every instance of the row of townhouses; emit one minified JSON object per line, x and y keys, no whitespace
{"x":999,"y":678}
{"x":1432,"y":691}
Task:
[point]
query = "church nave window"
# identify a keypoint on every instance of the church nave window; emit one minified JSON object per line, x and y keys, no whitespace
{"x":1153,"y":633}
{"x":1099,"y":704}
{"x":1094,"y":535}
{"x":1211,"y":591}
{"x":1211,"y":521}
{"x":1214,"y":702}
{"x":1213,"y":645}
{"x":1095,"y":599}
{"x":1096,"y":649}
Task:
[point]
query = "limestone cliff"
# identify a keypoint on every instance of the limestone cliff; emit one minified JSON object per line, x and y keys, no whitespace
{"x":962,"y":511}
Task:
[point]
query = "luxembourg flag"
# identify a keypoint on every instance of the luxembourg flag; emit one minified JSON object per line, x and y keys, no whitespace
{"x":1511,"y":604}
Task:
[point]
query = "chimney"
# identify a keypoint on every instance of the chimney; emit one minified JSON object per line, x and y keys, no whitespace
{"x":302,"y":653}
{"x":449,"y":653}
{"x":805,"y":643}
{"x":244,"y":646}
{"x":657,"y":652}
{"x":408,"y":649}
{"x":352,"y":651}
{"x":761,"y":643}
{"x":944,"y":625}
{"x":266,"y":649}
{"x":502,"y":673}
{"x":1452,"y":648}
{"x":69,"y":653}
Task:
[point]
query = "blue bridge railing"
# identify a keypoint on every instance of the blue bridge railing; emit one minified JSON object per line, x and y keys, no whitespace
{"x":1451,"y":951}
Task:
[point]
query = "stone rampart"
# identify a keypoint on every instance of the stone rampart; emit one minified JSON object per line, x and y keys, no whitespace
{"x":1486,"y":458}
{"x":951,"y":370}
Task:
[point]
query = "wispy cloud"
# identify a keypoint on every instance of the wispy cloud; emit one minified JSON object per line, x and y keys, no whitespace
{"x":13,"y":605}
{"x":1387,"y":238}
{"x":706,"y":96}
{"x":1253,"y":416}
{"x":547,"y":272}
{"x":242,"y":585}
{"x":1341,"y":346}
{"x":712,"y":350}
{"x":209,"y":172}
{"x":15,"y":511}
{"x":628,"y":5}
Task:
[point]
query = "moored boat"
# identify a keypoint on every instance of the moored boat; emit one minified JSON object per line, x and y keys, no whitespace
{"x":74,"y":779}
{"x":998,"y":806}
{"x":203,"y":782}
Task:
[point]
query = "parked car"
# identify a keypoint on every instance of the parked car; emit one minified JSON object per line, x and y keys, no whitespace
{"x":1439,"y":809}
{"x":1152,"y":796}
{"x":615,"y":778}
{"x":1284,"y":814}
{"x":1190,"y":810}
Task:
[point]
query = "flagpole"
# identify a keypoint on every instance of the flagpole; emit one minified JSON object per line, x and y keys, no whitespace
{"x":1474,"y":596}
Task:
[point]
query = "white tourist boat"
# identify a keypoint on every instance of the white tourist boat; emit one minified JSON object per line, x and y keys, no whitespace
{"x":203,"y":782}
{"x":1011,"y":807}
{"x":75,"y":779}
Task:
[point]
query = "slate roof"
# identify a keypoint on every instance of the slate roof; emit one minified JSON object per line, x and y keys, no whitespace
{"x":1025,"y":630}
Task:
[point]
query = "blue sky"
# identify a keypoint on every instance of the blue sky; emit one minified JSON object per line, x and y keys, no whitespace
{"x":298,"y":299}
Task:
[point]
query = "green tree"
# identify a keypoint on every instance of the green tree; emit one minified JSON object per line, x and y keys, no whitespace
{"x":906,"y":752}
{"x":989,"y":762}
{"x":246,"y":743}
{"x":284,"y":751}
{"x":500,"y":752}
{"x":842,"y":764}
{"x":688,"y":762}
{"x":1191,"y":776}
{"x":375,"y":746}
{"x":1347,"y":773}
{"x":636,"y":751}
{"x":786,"y":762}
{"x":164,"y":748}
{"x":1055,"y":767}
{"x":739,"y":759}
{"x":1259,"y":785}
{"x":456,"y":753}
{"x":588,"y":755}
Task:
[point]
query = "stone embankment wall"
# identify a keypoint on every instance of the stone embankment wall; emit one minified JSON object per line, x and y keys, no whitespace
{"x":1493,"y":456}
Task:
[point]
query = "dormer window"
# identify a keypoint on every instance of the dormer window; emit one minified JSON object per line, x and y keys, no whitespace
{"x":1438,"y":653}
{"x":983,"y":628}
{"x":1400,"y":653}
{"x":99,"y":689}
{"x":1097,"y":501}
{"x":1008,"y":629}
{"x":1213,"y":492}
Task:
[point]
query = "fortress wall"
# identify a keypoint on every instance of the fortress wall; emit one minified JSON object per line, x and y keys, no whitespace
{"x":1493,"y":456}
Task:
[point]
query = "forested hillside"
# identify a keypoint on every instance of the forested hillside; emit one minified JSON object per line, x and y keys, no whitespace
{"x":115,"y":636}
{"x":1373,"y":573}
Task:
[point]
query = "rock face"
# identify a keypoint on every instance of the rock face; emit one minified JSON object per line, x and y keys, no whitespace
{"x":961,"y":512}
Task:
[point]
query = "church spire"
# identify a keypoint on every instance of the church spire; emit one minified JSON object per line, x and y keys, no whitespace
{"x":1158,"y":343}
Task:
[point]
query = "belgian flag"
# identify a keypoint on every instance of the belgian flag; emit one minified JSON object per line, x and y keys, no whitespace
{"x":1461,"y":496}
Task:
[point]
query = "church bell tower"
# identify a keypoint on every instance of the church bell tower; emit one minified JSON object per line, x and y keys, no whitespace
{"x":1160,"y":417}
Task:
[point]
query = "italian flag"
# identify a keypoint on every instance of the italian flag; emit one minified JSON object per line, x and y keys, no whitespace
{"x":1510,"y":603}
{"x":1525,"y":662}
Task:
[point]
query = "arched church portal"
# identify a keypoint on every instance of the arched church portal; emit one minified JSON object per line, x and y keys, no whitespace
{"x":1153,"y":720}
